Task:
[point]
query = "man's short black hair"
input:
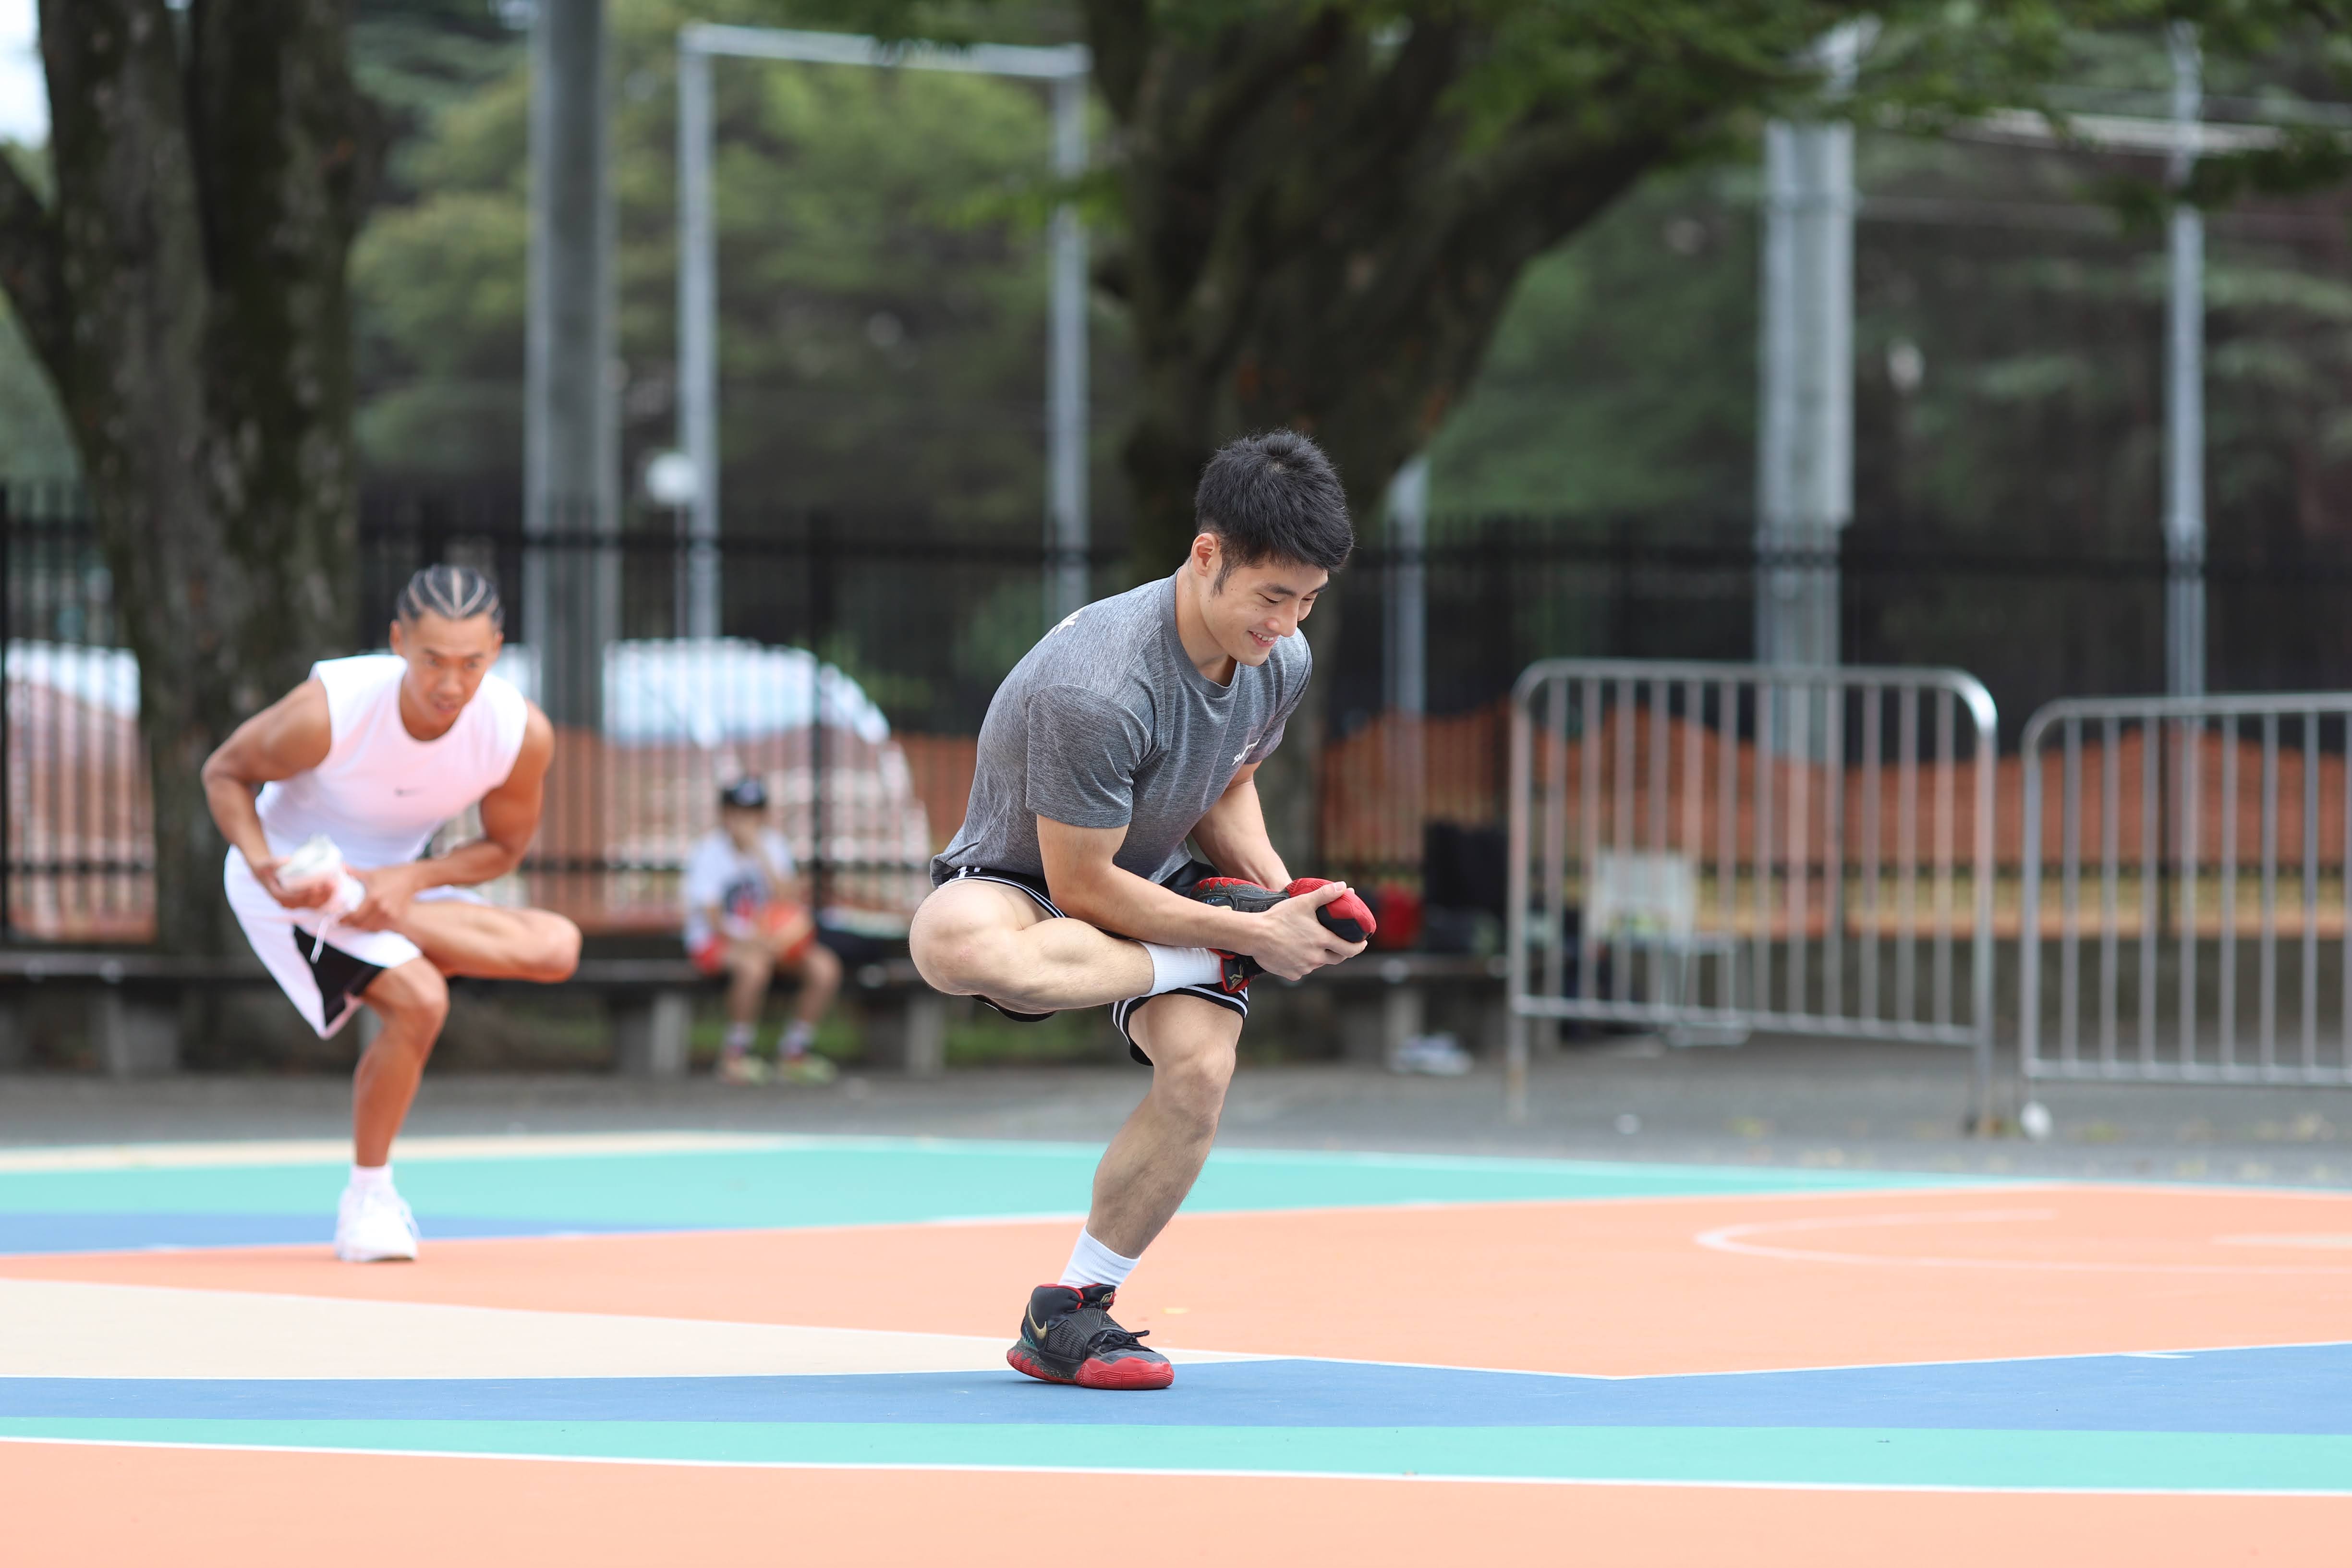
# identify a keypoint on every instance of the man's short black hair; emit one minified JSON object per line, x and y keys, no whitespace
{"x":1275,"y":497}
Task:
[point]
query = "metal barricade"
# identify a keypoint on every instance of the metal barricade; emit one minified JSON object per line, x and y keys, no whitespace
{"x":1807,"y":850}
{"x":2213,"y":941}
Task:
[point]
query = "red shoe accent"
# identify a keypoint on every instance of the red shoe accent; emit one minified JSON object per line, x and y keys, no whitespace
{"x":1346,"y":917}
{"x":1129,"y":1372}
{"x":1019,"y":1358}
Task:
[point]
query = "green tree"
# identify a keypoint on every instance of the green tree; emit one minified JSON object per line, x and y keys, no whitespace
{"x":1622,"y":377}
{"x":183,"y":289}
{"x":881,"y":275}
{"x":1324,"y":204}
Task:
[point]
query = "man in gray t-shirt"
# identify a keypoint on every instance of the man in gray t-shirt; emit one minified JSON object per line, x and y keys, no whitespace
{"x":1109,"y":723}
{"x":1135,"y":724}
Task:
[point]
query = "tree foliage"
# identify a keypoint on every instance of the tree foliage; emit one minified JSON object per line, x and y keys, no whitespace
{"x":881,"y":283}
{"x":1324,"y":204}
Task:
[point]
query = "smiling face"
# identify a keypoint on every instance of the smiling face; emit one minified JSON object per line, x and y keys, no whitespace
{"x":447,"y":660}
{"x":1246,"y":610}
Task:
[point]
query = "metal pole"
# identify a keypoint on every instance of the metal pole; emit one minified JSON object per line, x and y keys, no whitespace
{"x":1068,"y":523}
{"x":1066,"y":585}
{"x":1408,"y":655}
{"x":1805,"y":436}
{"x":1407,"y":658}
{"x":697,"y":349}
{"x":1514,"y":913}
{"x":2184,"y":391}
{"x":571,"y":476}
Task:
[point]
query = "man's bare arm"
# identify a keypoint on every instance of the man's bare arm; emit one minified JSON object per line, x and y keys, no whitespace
{"x":1087,"y":885}
{"x":290,"y":736}
{"x":1232,"y":835}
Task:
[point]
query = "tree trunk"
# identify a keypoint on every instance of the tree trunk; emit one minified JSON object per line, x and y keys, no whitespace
{"x":189,"y":287}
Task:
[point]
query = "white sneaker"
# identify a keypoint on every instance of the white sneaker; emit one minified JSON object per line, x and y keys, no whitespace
{"x":374,"y":1227}
{"x":1438,"y":1056}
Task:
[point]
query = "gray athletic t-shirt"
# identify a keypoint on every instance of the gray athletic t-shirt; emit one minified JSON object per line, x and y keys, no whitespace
{"x":1106,"y":723}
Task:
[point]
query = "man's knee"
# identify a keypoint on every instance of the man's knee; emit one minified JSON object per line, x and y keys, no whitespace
{"x":412,"y":999}
{"x":820,"y":965}
{"x":553,"y":951}
{"x":1192,"y":1045}
{"x":957,"y":955}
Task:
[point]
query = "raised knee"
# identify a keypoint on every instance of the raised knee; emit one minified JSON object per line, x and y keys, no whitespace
{"x":558,"y":953}
{"x":958,"y":961}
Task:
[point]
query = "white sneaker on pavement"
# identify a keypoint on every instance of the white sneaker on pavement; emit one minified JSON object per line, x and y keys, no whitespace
{"x":374,"y":1227}
{"x":1438,"y":1056}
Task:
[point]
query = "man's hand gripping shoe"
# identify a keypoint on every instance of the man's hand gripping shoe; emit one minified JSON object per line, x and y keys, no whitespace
{"x":1346,"y":917}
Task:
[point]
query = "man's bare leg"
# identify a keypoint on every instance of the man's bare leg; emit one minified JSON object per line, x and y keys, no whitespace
{"x":1153,"y":1161}
{"x":412,"y":1001}
{"x":985,"y":939}
{"x":491,"y":943}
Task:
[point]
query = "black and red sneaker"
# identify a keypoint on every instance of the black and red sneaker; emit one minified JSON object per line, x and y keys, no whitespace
{"x":1346,"y":917}
{"x":1067,"y":1336}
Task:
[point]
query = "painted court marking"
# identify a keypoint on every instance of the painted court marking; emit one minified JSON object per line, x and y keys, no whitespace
{"x":1737,"y":1238}
{"x":800,"y":1339}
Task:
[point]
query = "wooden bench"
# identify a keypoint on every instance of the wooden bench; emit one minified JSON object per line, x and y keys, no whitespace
{"x":1381,"y":999}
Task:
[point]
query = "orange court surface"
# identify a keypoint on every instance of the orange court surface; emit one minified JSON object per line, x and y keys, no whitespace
{"x":623,"y":1347}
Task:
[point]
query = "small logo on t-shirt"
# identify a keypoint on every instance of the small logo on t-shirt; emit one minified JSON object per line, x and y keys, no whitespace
{"x":1241,"y":756}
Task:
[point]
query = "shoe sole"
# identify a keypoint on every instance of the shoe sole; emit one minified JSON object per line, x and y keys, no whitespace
{"x":1092,"y":1373}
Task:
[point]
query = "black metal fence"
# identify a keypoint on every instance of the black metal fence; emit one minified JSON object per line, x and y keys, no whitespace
{"x":2033,"y":621}
{"x":916,"y":630}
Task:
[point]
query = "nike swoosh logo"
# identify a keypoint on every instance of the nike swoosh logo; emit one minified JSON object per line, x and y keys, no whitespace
{"x":1035,"y":1328}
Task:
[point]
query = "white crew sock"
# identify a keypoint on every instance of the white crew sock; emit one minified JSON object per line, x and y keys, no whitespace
{"x":1092,"y":1263}
{"x":796,"y":1039}
{"x":1175,"y":966}
{"x":371,"y":1178}
{"x":738,"y":1037}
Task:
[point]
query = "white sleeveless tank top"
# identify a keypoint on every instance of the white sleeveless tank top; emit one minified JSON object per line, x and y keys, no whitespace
{"x":381,"y":792}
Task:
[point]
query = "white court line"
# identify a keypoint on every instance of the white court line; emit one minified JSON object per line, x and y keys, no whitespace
{"x":1733,"y":1238}
{"x":1216,"y":1474}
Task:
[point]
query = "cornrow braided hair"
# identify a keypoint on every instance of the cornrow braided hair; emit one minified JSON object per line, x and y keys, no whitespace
{"x":453,"y":592}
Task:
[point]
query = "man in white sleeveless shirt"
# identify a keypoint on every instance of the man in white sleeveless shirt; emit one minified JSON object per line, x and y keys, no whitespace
{"x":372,"y":755}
